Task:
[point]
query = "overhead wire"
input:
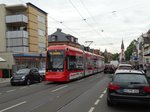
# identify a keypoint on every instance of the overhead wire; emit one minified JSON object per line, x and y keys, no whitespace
{"x":60,"y":22}
{"x":96,"y":23}
{"x":84,"y":19}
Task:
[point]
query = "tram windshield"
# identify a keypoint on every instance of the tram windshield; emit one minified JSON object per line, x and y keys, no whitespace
{"x":55,"y":60}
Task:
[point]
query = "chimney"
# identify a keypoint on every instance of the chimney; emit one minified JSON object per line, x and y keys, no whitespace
{"x":59,"y":30}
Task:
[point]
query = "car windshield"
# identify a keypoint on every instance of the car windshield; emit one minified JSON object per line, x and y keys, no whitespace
{"x":124,"y":67}
{"x":130,"y":78}
{"x":42,"y":69}
{"x":22,"y":71}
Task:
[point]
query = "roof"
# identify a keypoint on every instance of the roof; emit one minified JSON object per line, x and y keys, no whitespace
{"x":60,"y":35}
{"x":128,"y":65}
{"x":36,"y":8}
{"x":63,"y":47}
{"x":30,"y":55}
{"x":129,"y":71}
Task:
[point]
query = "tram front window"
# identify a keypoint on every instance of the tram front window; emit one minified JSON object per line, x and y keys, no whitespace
{"x":55,"y":60}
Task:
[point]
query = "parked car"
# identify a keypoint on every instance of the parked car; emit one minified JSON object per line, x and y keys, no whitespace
{"x":26,"y":76}
{"x":109,"y":68}
{"x":42,"y":73}
{"x":128,"y":86}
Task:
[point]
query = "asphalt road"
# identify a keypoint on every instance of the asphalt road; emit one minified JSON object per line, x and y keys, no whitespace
{"x":84,"y":95}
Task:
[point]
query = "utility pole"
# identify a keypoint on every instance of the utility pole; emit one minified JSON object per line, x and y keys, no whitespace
{"x":90,"y":42}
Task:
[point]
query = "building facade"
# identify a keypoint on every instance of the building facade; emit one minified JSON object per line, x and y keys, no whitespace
{"x":23,"y":35}
{"x":143,"y":48}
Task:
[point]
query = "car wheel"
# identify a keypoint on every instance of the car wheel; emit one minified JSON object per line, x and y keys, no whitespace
{"x":28,"y":82}
{"x":110,"y":103}
{"x":43,"y":78}
{"x":12,"y":84}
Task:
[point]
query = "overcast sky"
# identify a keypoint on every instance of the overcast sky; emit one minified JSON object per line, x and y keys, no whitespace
{"x":105,"y":22}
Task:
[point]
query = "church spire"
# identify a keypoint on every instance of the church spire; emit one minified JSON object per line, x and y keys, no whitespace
{"x":122,"y":54}
{"x":122,"y":45}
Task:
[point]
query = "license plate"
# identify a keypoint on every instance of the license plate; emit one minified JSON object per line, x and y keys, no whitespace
{"x":131,"y":90}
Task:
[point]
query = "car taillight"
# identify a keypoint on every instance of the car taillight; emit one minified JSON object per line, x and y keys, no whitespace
{"x":147,"y":88}
{"x":112,"y":86}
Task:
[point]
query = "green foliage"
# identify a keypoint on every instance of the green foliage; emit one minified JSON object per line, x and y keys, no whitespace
{"x":130,"y":50}
{"x":115,"y":56}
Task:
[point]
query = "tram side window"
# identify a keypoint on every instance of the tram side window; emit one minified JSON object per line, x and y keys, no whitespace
{"x":95,"y":63}
{"x":71,"y":63}
{"x":89,"y":63}
{"x":79,"y":64}
{"x":75,"y":63}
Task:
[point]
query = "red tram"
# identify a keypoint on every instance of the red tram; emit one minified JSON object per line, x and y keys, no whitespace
{"x":65,"y":63}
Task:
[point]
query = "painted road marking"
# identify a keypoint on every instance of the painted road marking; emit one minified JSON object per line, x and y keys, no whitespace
{"x":11,"y":90}
{"x":92,"y":109}
{"x":80,"y":80}
{"x":59,"y":88}
{"x":101,"y":96}
{"x":8,"y":108}
{"x":97,"y":101}
{"x":23,"y":87}
{"x":104,"y":91}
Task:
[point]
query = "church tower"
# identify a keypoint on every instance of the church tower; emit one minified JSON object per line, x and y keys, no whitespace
{"x":122,"y":54}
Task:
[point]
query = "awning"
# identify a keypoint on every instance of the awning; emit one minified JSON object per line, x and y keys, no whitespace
{"x":38,"y":55}
{"x":2,"y":60}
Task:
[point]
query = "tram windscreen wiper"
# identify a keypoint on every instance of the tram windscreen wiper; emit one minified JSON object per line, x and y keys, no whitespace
{"x":59,"y":65}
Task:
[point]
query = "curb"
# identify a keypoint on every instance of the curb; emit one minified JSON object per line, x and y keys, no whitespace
{"x":4,"y":80}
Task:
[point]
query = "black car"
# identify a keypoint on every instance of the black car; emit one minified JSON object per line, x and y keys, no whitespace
{"x":26,"y":76}
{"x":128,"y":86}
{"x":109,"y":68}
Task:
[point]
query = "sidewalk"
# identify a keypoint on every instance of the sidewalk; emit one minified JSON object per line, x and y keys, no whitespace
{"x":4,"y":80}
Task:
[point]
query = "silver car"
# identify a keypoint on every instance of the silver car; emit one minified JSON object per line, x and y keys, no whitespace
{"x":42,"y":73}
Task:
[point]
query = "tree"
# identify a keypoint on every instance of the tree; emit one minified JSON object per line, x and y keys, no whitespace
{"x":115,"y":56}
{"x":130,"y":50}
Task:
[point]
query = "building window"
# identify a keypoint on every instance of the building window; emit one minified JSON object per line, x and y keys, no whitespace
{"x":41,"y":19}
{"x":147,"y":60}
{"x":76,"y":40}
{"x":41,"y":32}
{"x":72,"y":39}
{"x":54,"y":38}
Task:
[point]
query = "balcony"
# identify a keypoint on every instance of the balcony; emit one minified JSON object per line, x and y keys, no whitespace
{"x":16,"y":19}
{"x":147,"y":52}
{"x":17,"y":34}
